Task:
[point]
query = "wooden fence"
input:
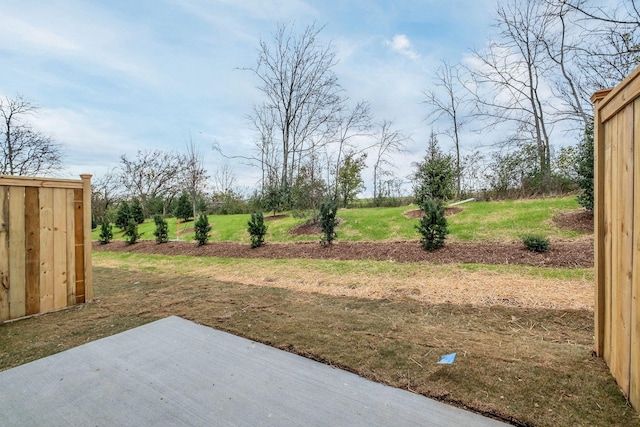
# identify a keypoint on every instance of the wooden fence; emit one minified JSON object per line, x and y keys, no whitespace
{"x":617,"y":232}
{"x":45,"y":245}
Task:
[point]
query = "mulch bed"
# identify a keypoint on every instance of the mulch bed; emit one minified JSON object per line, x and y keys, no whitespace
{"x":562,"y":254}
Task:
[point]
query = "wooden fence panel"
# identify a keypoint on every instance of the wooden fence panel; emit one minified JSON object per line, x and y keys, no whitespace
{"x":617,"y":232}
{"x":45,"y":244}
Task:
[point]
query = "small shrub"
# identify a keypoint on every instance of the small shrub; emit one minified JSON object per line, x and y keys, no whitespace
{"x":136,"y":212}
{"x":433,"y":225}
{"x":536,"y":243}
{"x":123,"y":215}
{"x":257,"y":230}
{"x":106,"y":232}
{"x":184,"y":208}
{"x":131,"y":234}
{"x":162,"y":229}
{"x":202,"y":229}
{"x":328,"y":222}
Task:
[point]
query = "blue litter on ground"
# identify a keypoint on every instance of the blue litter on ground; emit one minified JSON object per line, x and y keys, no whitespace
{"x":447,"y":359}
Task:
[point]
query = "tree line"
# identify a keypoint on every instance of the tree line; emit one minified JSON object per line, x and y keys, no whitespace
{"x":526,"y":89}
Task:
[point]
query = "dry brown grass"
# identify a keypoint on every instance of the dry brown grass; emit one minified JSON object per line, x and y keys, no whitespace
{"x":424,"y":283}
{"x":530,"y":366}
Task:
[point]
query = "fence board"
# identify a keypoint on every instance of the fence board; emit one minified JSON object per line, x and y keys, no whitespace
{"x":621,"y":309}
{"x":71,"y":250}
{"x":17,"y":284}
{"x":59,"y":248}
{"x":634,"y":382}
{"x":32,"y":246}
{"x":599,"y":229}
{"x":610,"y":131}
{"x":4,"y":253}
{"x":79,"y":245}
{"x":46,"y":256}
{"x":86,"y":227}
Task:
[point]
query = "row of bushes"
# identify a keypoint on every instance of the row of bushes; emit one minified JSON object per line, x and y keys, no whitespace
{"x":432,"y":227}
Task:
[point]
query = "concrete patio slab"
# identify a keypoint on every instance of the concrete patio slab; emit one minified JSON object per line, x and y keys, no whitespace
{"x":174,"y":372}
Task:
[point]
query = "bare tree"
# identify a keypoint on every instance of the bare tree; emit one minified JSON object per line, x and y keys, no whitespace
{"x":609,"y":39}
{"x":508,"y":76}
{"x":627,"y":12}
{"x":194,"y":174}
{"x":152,"y":174}
{"x":302,"y":92}
{"x":356,"y":123}
{"x":447,"y":101}
{"x":105,"y":193}
{"x":561,"y":44}
{"x":224,"y":180}
{"x":390,"y":141}
{"x":25,"y":151}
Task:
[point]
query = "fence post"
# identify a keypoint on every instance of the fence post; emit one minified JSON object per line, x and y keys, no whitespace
{"x":86,"y":204}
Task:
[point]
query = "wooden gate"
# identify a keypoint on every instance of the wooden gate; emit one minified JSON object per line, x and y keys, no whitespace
{"x":617,"y":232}
{"x":45,"y":244}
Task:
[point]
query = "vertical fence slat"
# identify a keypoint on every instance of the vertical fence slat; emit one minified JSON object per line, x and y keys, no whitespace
{"x":4,"y":253}
{"x":79,"y":244}
{"x":71,"y":250}
{"x":32,"y":236}
{"x":634,"y":383}
{"x":17,"y":288}
{"x":46,"y":249}
{"x":59,"y":248}
{"x":88,"y":265}
{"x":624,"y":261}
{"x":608,"y":225}
{"x":599,"y":225}
{"x":615,"y":247}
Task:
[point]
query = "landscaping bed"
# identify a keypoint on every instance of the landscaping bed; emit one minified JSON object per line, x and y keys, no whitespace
{"x":576,"y":253}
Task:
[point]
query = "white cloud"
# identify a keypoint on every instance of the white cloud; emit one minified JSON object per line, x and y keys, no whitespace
{"x":402,"y":45}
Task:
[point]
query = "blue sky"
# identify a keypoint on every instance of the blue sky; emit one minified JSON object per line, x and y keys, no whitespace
{"x":112,"y":77}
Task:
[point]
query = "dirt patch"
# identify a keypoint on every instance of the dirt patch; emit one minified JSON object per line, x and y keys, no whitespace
{"x":419,"y":213}
{"x":310,"y":228}
{"x":569,"y":254}
{"x":575,"y":220}
{"x":274,"y":217}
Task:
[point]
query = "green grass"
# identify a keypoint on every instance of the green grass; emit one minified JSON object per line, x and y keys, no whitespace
{"x":510,"y":219}
{"x":479,"y":221}
{"x":185,"y":264}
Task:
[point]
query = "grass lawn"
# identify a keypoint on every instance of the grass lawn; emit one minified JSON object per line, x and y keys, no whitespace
{"x":498,"y":220}
{"x":532,"y":366}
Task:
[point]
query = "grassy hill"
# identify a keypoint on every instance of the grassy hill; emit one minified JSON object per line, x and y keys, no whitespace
{"x":478,"y":221}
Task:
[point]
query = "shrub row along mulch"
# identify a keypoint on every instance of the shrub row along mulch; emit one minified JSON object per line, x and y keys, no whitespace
{"x":569,"y":254}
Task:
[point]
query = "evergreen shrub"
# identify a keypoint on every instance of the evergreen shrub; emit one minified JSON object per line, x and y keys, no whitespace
{"x":131,"y":234}
{"x":328,"y":222}
{"x":536,"y":243}
{"x":257,"y":230}
{"x":433,"y":225}
{"x":106,"y":232}
{"x":162,"y":229}
{"x":202,"y":229}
